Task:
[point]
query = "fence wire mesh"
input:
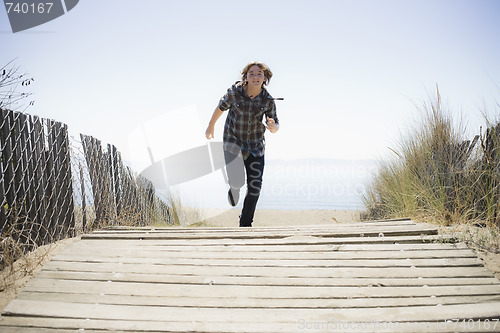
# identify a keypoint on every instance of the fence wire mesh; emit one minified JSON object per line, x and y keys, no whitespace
{"x":53,"y":187}
{"x":109,"y":193}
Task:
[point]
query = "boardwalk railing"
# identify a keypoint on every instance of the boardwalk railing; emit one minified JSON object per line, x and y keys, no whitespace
{"x":53,"y":186}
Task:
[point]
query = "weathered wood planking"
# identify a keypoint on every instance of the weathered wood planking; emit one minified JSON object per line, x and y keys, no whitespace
{"x":283,"y":272}
{"x":272,"y":240}
{"x":333,"y":231}
{"x":29,"y":325}
{"x":369,"y":276}
{"x":240,"y":302}
{"x":266,"y":280}
{"x":298,"y":245}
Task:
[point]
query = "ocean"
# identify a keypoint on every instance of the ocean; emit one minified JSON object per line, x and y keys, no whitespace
{"x":296,"y":184}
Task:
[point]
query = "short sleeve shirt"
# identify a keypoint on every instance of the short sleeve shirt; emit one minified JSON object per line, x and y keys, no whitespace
{"x":244,"y":128}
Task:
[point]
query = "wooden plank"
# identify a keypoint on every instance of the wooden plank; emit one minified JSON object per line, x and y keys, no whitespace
{"x":269,"y":303}
{"x":248,"y":315}
{"x":262,"y":229}
{"x":226,"y":291}
{"x":263,"y":280}
{"x":340,"y":227}
{"x":271,"y":227}
{"x":113,"y":253}
{"x":159,"y":260}
{"x":60,"y":325}
{"x":291,"y":240}
{"x":223,"y":246}
{"x":340,"y":232}
{"x":370,"y":272}
{"x":404,"y":246}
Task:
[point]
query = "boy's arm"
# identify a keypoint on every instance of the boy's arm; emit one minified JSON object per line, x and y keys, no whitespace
{"x":272,"y":119}
{"x":272,"y":126}
{"x":209,"y":133}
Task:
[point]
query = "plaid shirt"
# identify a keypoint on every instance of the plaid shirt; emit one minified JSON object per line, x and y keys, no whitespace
{"x":244,"y":129}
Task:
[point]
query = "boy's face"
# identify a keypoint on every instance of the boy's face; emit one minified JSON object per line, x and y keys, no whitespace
{"x":255,"y":76}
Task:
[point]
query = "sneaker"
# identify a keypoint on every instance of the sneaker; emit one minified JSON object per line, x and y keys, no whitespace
{"x":233,"y":195}
{"x":245,"y":224}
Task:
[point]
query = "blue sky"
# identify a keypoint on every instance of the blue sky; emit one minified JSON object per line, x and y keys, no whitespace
{"x":151,"y":72}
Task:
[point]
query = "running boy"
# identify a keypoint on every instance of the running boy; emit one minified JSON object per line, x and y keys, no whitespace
{"x":244,"y":143}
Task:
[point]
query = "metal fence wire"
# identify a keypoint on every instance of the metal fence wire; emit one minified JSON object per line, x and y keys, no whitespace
{"x":53,"y":186}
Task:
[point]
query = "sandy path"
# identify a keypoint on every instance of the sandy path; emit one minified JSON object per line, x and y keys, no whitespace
{"x":268,"y":217}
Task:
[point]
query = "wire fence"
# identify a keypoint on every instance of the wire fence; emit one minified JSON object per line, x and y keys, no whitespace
{"x":54,"y":187}
{"x":109,"y":193}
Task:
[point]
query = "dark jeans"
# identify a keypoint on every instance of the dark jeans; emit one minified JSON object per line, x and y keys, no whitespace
{"x":254,"y":167}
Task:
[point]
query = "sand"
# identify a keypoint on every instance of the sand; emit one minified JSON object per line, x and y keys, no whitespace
{"x":269,"y":217}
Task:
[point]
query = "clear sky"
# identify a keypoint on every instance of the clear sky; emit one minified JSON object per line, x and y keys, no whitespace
{"x":348,"y":70}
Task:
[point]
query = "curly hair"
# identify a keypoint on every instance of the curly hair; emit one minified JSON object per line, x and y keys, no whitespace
{"x":267,"y":72}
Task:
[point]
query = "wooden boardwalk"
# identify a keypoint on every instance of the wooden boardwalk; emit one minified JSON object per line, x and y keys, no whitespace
{"x":385,"y":276}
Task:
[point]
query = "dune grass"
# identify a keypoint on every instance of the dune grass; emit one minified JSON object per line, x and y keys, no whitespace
{"x":438,"y":174}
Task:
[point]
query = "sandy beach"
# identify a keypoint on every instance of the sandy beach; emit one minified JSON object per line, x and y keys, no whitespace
{"x":277,"y":217}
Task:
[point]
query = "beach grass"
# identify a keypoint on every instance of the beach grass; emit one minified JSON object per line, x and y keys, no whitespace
{"x":439,"y":175}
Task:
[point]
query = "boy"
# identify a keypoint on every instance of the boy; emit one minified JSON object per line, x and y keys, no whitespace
{"x":244,"y":143}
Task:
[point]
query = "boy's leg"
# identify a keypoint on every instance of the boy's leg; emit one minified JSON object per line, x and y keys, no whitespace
{"x":235,"y":174}
{"x":255,"y":169}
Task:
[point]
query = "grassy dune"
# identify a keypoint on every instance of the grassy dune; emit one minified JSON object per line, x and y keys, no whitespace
{"x":438,"y":174}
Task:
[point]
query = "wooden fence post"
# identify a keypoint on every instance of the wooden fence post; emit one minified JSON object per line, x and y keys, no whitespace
{"x":84,"y":205}
{"x":4,"y":168}
{"x":68,"y":206}
{"x":116,"y":176}
{"x":88,"y":151}
{"x":107,"y":177}
{"x":40,"y":178}
{"x":30,"y":180}
{"x":24,"y":198}
{"x":50,"y":190}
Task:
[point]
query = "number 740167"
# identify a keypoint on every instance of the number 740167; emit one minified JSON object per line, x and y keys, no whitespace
{"x":29,"y":8}
{"x":473,"y":324}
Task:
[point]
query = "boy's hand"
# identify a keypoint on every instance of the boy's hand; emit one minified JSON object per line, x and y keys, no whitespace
{"x":209,"y":133}
{"x":271,"y":125}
